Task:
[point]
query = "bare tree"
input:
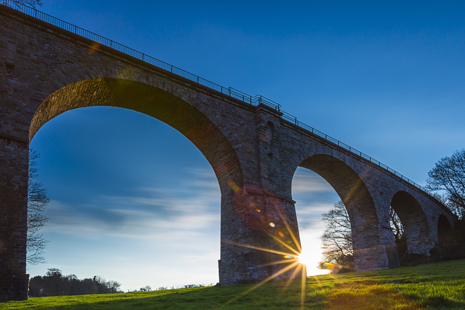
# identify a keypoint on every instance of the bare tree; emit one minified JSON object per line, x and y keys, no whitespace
{"x":337,"y":237}
{"x":37,"y":202}
{"x":448,"y":177}
{"x":396,"y":225}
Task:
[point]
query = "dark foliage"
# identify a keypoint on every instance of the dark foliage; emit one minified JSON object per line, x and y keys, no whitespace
{"x":55,"y":284}
{"x":453,"y":242}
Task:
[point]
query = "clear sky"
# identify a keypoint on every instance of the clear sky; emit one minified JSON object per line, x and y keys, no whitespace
{"x":135,"y":201}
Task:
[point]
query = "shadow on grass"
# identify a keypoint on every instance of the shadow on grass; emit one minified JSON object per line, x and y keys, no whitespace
{"x":266,"y":297}
{"x":442,"y":302}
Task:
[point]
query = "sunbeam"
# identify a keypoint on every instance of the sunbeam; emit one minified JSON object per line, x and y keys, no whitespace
{"x":296,"y":259}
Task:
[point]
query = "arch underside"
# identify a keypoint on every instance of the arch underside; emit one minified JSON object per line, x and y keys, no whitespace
{"x":446,"y":238}
{"x":369,"y":249}
{"x":413,"y":220}
{"x":152,"y":101}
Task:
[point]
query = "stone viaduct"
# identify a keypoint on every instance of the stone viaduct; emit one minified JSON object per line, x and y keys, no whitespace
{"x":254,"y":150}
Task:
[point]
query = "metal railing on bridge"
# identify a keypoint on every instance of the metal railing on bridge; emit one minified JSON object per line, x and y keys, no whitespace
{"x":255,"y":100}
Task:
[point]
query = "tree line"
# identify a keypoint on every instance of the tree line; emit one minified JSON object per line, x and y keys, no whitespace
{"x":54,"y":283}
{"x":446,"y":182}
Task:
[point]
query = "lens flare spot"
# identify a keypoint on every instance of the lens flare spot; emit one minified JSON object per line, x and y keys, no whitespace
{"x":272,"y":224}
{"x":290,"y":256}
{"x":94,"y":47}
{"x":233,"y":185}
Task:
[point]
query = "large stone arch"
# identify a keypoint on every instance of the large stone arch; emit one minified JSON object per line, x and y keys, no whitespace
{"x":413,"y":219}
{"x":152,"y":101}
{"x":370,"y":251}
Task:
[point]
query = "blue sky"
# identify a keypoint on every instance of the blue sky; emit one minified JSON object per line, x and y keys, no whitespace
{"x":134,"y":201}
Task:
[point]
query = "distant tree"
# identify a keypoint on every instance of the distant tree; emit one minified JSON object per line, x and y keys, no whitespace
{"x":37,"y":202}
{"x":337,"y":237}
{"x":114,"y":286}
{"x":31,"y":3}
{"x":448,"y":178}
{"x":55,"y":286}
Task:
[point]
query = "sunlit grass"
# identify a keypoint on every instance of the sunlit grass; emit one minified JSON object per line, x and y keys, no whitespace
{"x":432,"y":286}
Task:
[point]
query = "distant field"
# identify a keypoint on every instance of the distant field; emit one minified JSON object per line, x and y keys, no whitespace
{"x":431,"y":286}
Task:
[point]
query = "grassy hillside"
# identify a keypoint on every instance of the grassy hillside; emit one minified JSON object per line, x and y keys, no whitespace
{"x":431,"y":286}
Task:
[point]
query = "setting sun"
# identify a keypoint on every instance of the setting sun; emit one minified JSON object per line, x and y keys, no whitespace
{"x":304,"y":258}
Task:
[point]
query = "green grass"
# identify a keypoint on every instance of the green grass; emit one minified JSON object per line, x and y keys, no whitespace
{"x":432,"y":286}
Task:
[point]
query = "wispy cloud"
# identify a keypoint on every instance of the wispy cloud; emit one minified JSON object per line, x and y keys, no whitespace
{"x":306,"y":181}
{"x":149,"y":212}
{"x":317,"y":208}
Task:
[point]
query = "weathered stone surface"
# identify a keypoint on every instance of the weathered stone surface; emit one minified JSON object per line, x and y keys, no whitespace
{"x":46,"y":71}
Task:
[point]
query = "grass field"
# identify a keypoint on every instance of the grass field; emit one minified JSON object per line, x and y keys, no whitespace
{"x":430,"y":286}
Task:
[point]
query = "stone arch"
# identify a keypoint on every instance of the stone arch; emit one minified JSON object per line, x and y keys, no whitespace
{"x":444,"y":226}
{"x":413,"y":219}
{"x":445,"y":238}
{"x":180,"y":115}
{"x":369,"y":250}
{"x":152,"y":101}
